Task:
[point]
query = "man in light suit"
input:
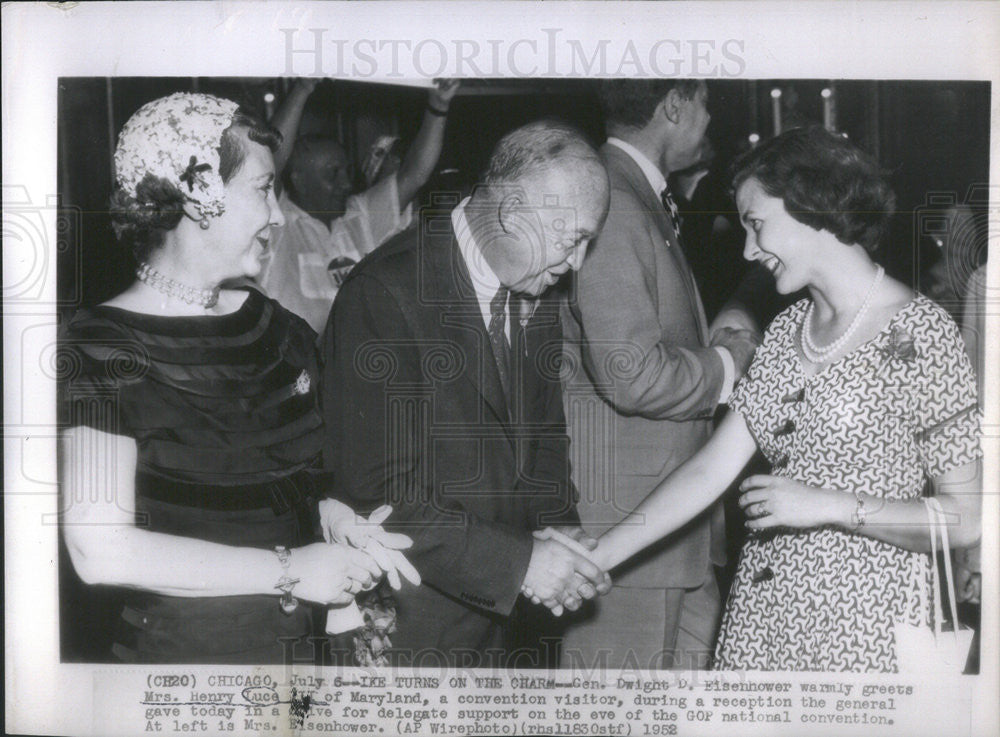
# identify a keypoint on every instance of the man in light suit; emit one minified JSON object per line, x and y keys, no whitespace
{"x":644,"y":377}
{"x":442,"y":397}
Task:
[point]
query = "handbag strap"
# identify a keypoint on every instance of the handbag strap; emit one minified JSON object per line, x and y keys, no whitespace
{"x":937,"y":521}
{"x":935,"y":581}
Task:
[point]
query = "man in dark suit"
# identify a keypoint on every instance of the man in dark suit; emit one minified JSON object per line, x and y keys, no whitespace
{"x":442,"y":396}
{"x":647,"y":376}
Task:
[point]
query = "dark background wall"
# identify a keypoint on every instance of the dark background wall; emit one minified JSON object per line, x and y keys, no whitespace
{"x":933,"y":137}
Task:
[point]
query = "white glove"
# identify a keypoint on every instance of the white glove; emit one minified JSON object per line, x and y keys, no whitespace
{"x":341,"y":525}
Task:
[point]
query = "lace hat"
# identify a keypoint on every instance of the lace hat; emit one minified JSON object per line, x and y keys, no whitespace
{"x":177,"y":138}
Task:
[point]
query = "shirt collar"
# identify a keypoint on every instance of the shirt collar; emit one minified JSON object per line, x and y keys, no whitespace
{"x":652,"y":173}
{"x":484,"y":281}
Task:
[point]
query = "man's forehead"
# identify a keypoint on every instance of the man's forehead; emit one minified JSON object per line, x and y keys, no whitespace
{"x":324,"y":154}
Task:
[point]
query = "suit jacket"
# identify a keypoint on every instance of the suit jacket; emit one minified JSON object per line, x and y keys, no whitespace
{"x":417,"y":418}
{"x":641,"y":384}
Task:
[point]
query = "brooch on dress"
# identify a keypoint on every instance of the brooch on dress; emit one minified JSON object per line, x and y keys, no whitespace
{"x":900,"y":347}
{"x":303,"y":383}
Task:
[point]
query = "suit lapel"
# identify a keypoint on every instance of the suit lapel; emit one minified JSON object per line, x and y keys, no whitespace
{"x":677,"y":253}
{"x":462,"y":322}
{"x":654,"y":205}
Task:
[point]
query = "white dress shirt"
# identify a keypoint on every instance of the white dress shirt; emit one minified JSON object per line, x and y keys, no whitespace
{"x":484,"y":281}
{"x":299,"y":270}
{"x":659,"y":183}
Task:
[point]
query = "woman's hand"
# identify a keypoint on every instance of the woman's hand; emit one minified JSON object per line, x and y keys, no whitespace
{"x":775,"y":501}
{"x":331,"y":573}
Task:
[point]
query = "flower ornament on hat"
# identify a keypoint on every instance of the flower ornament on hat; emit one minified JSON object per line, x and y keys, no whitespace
{"x":177,"y":138}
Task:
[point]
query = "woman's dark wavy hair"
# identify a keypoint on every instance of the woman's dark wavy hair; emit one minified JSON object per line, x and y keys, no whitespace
{"x":825,"y":181}
{"x":141,"y":222}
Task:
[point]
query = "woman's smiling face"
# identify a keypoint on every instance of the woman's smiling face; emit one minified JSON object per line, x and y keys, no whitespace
{"x":774,"y":238}
{"x":242,"y":231}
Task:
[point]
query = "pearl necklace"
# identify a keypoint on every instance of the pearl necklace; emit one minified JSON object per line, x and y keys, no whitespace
{"x":206,"y":298}
{"x":813,"y":352}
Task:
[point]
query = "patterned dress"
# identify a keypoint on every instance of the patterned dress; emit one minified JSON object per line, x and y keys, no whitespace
{"x":897,"y":410}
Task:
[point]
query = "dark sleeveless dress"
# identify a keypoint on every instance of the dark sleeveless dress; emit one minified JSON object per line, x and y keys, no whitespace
{"x":223,"y":410}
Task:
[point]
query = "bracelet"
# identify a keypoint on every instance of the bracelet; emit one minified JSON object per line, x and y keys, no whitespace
{"x":859,"y":513}
{"x":437,"y":111}
{"x":285,"y":584}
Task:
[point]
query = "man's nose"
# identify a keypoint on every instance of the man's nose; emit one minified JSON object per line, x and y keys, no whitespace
{"x":750,"y":249}
{"x":577,"y":256}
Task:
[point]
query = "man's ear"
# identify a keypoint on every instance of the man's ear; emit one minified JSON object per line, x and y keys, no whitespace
{"x":671,"y":106}
{"x":507,"y":211}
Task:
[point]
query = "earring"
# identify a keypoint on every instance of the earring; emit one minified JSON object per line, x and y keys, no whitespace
{"x":203,"y":224}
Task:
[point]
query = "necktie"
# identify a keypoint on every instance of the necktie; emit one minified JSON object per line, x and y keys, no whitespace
{"x":498,"y":338}
{"x":671,"y":207}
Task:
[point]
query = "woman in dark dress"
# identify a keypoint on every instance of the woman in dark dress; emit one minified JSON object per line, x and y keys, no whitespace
{"x":193,"y":426}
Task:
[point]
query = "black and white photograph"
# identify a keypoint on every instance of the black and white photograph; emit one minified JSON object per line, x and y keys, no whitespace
{"x":501,"y":371}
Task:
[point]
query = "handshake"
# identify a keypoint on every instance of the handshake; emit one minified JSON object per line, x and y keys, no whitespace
{"x":561,"y":573}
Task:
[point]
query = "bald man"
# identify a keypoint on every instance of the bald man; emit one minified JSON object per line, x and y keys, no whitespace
{"x":327,"y":229}
{"x":441,"y":396}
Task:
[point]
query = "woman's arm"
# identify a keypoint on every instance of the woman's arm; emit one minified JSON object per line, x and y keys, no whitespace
{"x":788,"y":503}
{"x":106,"y":547}
{"x":680,"y":497}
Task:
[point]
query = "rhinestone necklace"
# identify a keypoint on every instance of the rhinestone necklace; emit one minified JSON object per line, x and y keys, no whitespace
{"x":206,"y":298}
{"x":816,"y":354}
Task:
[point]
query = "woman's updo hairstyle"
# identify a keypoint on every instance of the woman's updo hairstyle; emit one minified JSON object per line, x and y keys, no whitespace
{"x":178,"y":149}
{"x":825,"y":182}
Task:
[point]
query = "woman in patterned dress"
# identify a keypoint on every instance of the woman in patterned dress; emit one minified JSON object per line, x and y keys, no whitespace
{"x":192,"y":424}
{"x":858,"y":396}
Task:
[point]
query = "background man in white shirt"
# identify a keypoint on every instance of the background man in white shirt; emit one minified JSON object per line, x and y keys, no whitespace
{"x":327,"y":229}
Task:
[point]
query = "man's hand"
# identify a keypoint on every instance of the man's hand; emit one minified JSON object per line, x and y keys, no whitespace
{"x":584,"y":589}
{"x":733,"y":315}
{"x":741,"y":345}
{"x":560,"y":578}
{"x":578,"y":534}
